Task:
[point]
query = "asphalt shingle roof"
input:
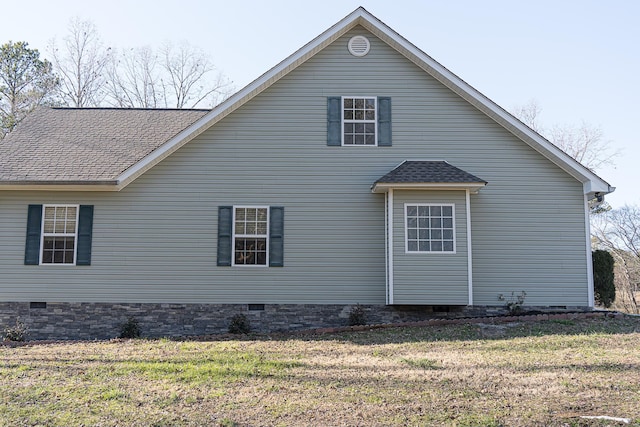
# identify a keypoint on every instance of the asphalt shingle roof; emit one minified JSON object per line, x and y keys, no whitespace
{"x":86,"y":144}
{"x":414,"y":171}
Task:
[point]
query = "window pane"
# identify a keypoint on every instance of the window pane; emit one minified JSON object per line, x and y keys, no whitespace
{"x":436,"y":246}
{"x":359,"y":103}
{"x":412,"y":210}
{"x":447,"y":246}
{"x":447,"y":222}
{"x":412,"y":233}
{"x":412,"y":245}
{"x":239,"y":227}
{"x":436,"y":210}
{"x":436,"y":234}
{"x":359,"y":115}
{"x":359,"y":127}
{"x":436,"y":223}
{"x":424,"y":246}
{"x":240,"y":214}
{"x":370,"y":103}
{"x":370,"y":115}
{"x":370,"y":140}
{"x":261,"y":228}
{"x":447,"y":211}
{"x":348,"y":139}
{"x":423,"y":210}
{"x":348,"y":103}
{"x":251,"y":214}
{"x":412,"y":222}
{"x":370,"y":128}
{"x":359,"y":140}
{"x":348,"y":114}
{"x":423,"y":222}
{"x":447,"y":234}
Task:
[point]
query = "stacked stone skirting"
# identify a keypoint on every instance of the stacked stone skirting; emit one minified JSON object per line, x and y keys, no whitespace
{"x":87,"y":321}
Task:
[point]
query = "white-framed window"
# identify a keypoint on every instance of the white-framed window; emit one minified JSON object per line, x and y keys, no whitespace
{"x":429,"y":228}
{"x":359,"y":120}
{"x":59,"y":234}
{"x":250,"y":235}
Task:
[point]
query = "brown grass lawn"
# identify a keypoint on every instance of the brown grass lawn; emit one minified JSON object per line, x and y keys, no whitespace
{"x":522,"y":374}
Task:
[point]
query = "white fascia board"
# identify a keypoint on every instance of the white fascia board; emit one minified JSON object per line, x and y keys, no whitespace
{"x":361,"y":17}
{"x":61,"y":186}
{"x":383,"y":187}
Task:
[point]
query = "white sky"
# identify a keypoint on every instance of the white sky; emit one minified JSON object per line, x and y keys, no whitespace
{"x":580,"y":60}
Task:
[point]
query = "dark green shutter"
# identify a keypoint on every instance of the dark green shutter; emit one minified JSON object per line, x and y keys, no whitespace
{"x":276,"y":236}
{"x":85,"y":233}
{"x":34,"y":227}
{"x":334,"y":121}
{"x":384,"y":121}
{"x":225,"y":222}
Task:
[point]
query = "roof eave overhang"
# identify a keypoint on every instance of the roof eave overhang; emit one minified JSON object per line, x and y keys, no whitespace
{"x":109,"y":185}
{"x":474,"y":188}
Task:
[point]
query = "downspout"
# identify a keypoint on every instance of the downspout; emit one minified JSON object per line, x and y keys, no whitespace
{"x":390,"y":247}
{"x":469,"y":254}
{"x":587,"y":227}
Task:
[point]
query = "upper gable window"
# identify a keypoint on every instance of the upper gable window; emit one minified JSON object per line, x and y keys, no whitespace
{"x":359,"y":121}
{"x":359,"y":118}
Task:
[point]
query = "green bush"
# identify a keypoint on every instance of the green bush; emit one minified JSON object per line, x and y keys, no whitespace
{"x":130,"y":329}
{"x":17,"y":332}
{"x":603,"y":278}
{"x":239,"y":324}
{"x":357,"y":316}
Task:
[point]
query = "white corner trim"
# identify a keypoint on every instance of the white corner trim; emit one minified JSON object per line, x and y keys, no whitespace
{"x":469,"y":253}
{"x":587,"y":227}
{"x":390,"y":245}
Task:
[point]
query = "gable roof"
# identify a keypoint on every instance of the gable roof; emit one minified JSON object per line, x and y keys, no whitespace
{"x":427,"y":174}
{"x":88,"y":146}
{"x":592,"y":184}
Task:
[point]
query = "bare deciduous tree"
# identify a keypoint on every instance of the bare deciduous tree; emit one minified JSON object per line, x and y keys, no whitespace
{"x":192,"y":79}
{"x":618,"y":231}
{"x":81,"y":63}
{"x":181,"y":77}
{"x":134,"y":79}
{"x":585,"y":143}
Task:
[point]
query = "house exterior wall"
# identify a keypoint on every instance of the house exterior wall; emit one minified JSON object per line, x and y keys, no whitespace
{"x":430,"y":278}
{"x":155,"y":241}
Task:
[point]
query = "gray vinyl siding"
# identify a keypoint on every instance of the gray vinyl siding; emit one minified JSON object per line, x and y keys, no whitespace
{"x":155,"y":241}
{"x":430,"y":278}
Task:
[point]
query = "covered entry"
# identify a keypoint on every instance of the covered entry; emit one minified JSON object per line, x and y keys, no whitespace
{"x":428,"y":233}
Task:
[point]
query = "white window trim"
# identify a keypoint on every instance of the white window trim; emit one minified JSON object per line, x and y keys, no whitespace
{"x":234,"y":235}
{"x":406,"y":229}
{"x":374,"y":121}
{"x":75,"y":234}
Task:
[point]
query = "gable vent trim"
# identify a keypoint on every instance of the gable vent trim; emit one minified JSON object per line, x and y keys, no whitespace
{"x":359,"y":45}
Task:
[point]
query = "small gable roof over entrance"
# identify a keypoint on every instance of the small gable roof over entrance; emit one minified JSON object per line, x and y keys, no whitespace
{"x":423,"y":174}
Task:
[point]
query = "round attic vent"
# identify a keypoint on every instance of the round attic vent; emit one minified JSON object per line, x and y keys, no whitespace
{"x":359,"y":46}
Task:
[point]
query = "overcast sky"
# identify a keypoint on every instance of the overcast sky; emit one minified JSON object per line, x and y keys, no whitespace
{"x":580,"y":60}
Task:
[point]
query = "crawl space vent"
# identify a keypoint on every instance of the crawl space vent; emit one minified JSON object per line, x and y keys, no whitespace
{"x":359,"y":46}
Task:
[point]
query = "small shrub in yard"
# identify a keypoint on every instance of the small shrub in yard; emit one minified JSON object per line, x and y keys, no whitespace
{"x":239,"y":324}
{"x":514,"y":302}
{"x":17,"y":333}
{"x":130,"y":329}
{"x":357,"y":316}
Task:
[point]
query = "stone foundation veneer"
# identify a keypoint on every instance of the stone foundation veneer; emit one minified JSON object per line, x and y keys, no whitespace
{"x":86,"y":321}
